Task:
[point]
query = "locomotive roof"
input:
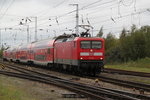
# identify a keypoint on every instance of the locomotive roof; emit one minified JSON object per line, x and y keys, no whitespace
{"x":88,"y":38}
{"x":49,"y":42}
{"x":43,"y":43}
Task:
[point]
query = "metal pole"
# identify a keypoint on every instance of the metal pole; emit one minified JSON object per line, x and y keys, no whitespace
{"x":92,"y":32}
{"x":27,"y":33}
{"x":77,"y":18}
{"x":0,"y":37}
{"x":35,"y":28}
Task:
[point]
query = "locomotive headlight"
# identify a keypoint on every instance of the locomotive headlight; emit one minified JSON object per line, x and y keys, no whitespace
{"x":81,"y":58}
{"x":101,"y":58}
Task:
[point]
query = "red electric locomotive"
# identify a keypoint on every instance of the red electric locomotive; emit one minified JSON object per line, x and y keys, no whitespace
{"x":83,"y":54}
{"x":79,"y":54}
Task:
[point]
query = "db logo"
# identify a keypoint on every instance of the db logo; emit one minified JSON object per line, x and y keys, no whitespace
{"x":91,"y":54}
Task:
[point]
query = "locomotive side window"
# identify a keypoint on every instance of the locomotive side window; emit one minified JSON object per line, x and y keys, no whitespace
{"x":96,"y":44}
{"x":48,"y":51}
{"x":74,"y":44}
{"x":85,"y":44}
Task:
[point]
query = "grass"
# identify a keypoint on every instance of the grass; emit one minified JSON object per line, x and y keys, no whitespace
{"x":11,"y":93}
{"x":141,"y":65}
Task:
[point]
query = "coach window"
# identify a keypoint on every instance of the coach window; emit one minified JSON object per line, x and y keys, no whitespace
{"x":48,"y":51}
{"x":31,"y":51}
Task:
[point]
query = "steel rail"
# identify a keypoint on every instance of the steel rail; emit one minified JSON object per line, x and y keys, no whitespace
{"x":136,"y":85}
{"x":125,"y":72}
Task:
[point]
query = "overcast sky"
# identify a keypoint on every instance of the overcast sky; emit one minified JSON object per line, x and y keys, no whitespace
{"x":54,"y":17}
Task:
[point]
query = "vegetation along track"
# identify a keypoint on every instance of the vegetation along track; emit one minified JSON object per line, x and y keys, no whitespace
{"x":124,"y":72}
{"x":93,"y":92}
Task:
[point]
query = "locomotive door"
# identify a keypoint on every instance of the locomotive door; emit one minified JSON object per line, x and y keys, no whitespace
{"x":55,"y":54}
{"x":29,"y":53}
{"x":71,"y":52}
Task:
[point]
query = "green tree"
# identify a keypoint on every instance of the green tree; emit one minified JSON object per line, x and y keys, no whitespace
{"x":146,"y":32}
{"x":131,"y":45}
{"x":110,"y":41}
{"x":123,"y":33}
{"x":133,"y":28}
{"x":100,"y":33}
{"x":1,"y":51}
{"x":112,"y":51}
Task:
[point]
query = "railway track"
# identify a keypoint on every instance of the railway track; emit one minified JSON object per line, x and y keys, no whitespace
{"x":135,"y":85}
{"x":124,"y":72}
{"x":98,"y":93}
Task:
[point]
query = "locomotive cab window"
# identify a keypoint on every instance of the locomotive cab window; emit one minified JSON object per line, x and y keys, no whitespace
{"x":96,"y":44}
{"x":91,"y":44}
{"x":85,"y":44}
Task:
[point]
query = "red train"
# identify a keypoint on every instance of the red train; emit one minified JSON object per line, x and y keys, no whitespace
{"x":66,"y":52}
